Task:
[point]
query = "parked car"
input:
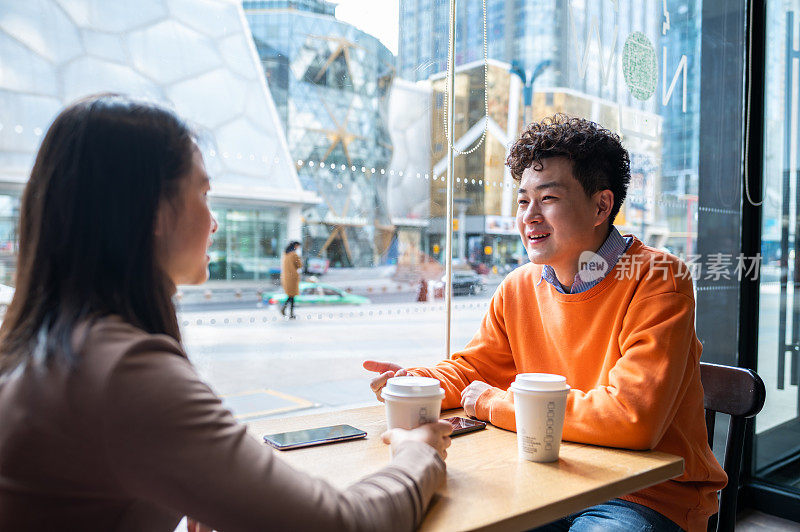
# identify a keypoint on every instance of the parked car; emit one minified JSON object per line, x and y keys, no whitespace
{"x":317,"y":294}
{"x":464,"y":283}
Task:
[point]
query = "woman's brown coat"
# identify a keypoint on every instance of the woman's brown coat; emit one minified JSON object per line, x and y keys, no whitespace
{"x":290,"y":277}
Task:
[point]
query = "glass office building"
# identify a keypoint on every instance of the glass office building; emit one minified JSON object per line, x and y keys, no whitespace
{"x":633,"y":61}
{"x":530,"y":35}
{"x":330,"y":82}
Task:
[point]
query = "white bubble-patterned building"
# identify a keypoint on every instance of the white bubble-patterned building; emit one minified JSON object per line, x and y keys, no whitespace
{"x":195,"y":56}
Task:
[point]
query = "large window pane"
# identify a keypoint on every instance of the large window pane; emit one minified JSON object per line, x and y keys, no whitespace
{"x":652,"y":72}
{"x":777,"y":457}
{"x":360,"y":145}
{"x":308,"y":134}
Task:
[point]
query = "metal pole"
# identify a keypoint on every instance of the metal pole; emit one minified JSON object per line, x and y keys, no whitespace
{"x":783,"y":347}
{"x":450,"y":89}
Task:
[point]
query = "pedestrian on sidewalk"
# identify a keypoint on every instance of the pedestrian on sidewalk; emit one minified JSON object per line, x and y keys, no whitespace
{"x":422,"y":290}
{"x":290,"y":276}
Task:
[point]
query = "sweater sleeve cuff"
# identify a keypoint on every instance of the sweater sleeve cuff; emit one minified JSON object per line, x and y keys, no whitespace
{"x":483,"y":406}
{"x":497,"y":407}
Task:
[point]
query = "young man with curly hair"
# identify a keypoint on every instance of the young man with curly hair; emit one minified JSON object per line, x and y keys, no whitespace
{"x":621,"y":331}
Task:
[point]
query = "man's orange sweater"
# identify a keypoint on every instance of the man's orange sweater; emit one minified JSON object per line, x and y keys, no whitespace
{"x":629,"y":351}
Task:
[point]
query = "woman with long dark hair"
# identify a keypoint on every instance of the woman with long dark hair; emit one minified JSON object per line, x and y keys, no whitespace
{"x":104,"y":422}
{"x":290,"y":276}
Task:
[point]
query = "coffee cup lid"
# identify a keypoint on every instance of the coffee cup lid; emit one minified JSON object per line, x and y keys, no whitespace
{"x":540,"y":382}
{"x":412,"y":387}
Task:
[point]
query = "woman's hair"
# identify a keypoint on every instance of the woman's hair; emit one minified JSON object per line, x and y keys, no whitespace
{"x":87,"y":223}
{"x":599,"y":161}
{"x":293,"y":245}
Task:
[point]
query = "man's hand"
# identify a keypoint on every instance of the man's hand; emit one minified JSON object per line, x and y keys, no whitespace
{"x":470,"y":394}
{"x":437,"y":435}
{"x":387,"y":370}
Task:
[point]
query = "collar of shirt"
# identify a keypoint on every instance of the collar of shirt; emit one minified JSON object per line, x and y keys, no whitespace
{"x":611,"y":250}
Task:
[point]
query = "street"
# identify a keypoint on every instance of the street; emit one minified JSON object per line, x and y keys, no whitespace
{"x":263,"y":364}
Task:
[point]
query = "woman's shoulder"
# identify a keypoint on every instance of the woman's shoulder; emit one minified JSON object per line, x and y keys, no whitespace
{"x":106,"y":342}
{"x":113,"y":331}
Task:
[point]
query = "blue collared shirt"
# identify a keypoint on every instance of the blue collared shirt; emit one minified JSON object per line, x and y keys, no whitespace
{"x":611,"y":250}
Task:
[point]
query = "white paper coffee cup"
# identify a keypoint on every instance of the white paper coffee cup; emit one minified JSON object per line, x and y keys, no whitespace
{"x":540,"y":401}
{"x":412,"y":401}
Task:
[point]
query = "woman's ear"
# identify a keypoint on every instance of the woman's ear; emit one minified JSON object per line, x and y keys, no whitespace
{"x":604,"y":201}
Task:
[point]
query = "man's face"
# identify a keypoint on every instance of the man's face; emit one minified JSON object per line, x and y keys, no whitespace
{"x":556,"y":219}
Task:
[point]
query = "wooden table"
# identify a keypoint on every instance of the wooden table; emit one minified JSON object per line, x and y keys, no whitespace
{"x":488,"y":487}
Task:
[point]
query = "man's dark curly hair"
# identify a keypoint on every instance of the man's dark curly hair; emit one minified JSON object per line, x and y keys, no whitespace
{"x":599,"y":161}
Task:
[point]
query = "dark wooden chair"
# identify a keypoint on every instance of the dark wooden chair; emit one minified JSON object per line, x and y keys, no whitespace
{"x":739,"y":393}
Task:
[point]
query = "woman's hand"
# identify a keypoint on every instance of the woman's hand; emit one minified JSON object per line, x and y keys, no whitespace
{"x":437,"y":435}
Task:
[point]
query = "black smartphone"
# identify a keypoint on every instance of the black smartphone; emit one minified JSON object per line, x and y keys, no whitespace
{"x":306,"y":438}
{"x":462,"y":425}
